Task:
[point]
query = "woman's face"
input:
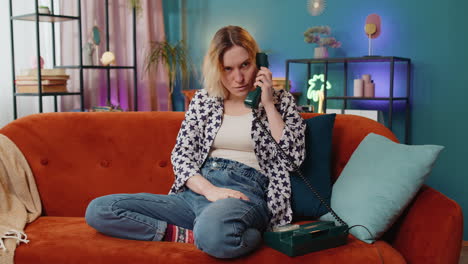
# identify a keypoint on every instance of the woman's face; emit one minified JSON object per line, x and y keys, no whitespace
{"x":238,"y":72}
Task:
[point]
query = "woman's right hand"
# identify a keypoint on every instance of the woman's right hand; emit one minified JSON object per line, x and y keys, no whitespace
{"x":202,"y":186}
{"x":216,"y":193}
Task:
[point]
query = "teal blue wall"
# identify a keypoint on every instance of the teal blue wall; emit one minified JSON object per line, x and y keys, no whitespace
{"x":432,"y":33}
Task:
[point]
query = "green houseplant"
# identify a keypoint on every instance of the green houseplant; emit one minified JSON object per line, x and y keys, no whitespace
{"x":175,"y":59}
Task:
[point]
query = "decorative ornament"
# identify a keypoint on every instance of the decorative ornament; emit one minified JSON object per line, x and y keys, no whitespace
{"x":320,"y":36}
{"x":44,"y":10}
{"x":372,"y":29}
{"x":314,"y":94}
{"x":88,"y":51}
{"x":318,"y":95}
{"x":34,"y":62}
{"x":96,"y":37}
{"x":108,"y":58}
{"x":316,"y":7}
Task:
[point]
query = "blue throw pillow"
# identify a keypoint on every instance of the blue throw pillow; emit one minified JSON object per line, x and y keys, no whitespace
{"x":316,"y":168}
{"x":378,"y":182}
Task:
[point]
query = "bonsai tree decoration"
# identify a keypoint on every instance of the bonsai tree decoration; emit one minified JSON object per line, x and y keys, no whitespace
{"x":175,"y":59}
{"x":316,"y":35}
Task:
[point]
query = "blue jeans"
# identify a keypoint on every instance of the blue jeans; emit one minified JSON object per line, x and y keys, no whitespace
{"x":226,"y":228}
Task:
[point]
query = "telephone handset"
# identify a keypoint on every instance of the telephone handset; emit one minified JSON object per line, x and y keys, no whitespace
{"x":253,"y":98}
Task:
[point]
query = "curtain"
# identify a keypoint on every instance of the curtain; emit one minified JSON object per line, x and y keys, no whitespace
{"x":153,"y":88}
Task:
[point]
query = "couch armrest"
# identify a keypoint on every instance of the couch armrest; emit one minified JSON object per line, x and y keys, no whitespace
{"x":430,"y":230}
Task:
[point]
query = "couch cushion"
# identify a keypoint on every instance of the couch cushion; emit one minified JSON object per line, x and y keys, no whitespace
{"x":316,"y":168}
{"x":378,"y":182}
{"x":70,"y":240}
{"x":348,"y":132}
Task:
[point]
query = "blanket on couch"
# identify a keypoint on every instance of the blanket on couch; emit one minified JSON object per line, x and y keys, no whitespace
{"x":19,"y":199}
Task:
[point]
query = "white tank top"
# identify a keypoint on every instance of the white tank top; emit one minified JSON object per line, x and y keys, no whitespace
{"x":234,"y":141}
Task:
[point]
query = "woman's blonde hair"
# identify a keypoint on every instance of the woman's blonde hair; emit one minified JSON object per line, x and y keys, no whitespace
{"x":223,"y":40}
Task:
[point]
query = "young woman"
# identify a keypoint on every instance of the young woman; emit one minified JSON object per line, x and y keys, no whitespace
{"x":232,"y":183}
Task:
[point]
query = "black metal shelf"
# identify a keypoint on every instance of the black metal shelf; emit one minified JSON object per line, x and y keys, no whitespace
{"x":44,"y":17}
{"x":391,"y":60}
{"x":93,"y":67}
{"x":37,"y":17}
{"x":46,"y":94}
{"x":367,"y":98}
{"x":351,"y":59}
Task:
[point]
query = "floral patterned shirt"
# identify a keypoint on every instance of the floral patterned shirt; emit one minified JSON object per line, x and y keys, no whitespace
{"x":198,"y":131}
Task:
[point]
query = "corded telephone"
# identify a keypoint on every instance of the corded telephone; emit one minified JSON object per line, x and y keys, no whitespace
{"x":295,"y":240}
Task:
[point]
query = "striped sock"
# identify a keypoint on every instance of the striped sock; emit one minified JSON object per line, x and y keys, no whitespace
{"x":178,"y":234}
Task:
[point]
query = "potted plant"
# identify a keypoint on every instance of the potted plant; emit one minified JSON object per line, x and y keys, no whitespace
{"x":175,"y":59}
{"x":316,"y":35}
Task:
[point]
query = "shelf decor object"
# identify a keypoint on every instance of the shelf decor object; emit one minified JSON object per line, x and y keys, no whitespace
{"x":358,"y":88}
{"x":96,"y":37}
{"x":34,"y":63}
{"x":372,"y":29}
{"x":364,"y":87}
{"x":44,"y":10}
{"x":52,"y":81}
{"x":391,"y":98}
{"x":88,"y":51}
{"x":279,"y":83}
{"x":108,"y":58}
{"x":369,"y":85}
{"x":313,"y":94}
{"x":317,"y":35}
{"x":317,"y":95}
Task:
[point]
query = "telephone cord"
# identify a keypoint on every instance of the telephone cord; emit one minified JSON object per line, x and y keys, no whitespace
{"x":298,"y":171}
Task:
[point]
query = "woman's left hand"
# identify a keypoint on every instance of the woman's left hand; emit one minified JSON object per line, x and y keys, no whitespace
{"x":264,"y":79}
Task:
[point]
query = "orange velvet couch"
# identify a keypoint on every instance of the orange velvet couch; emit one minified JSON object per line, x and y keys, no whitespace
{"x":76,"y":157}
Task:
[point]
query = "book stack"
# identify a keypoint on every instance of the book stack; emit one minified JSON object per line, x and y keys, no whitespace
{"x":106,"y":109}
{"x":52,"y":80}
{"x":280,"y":83}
